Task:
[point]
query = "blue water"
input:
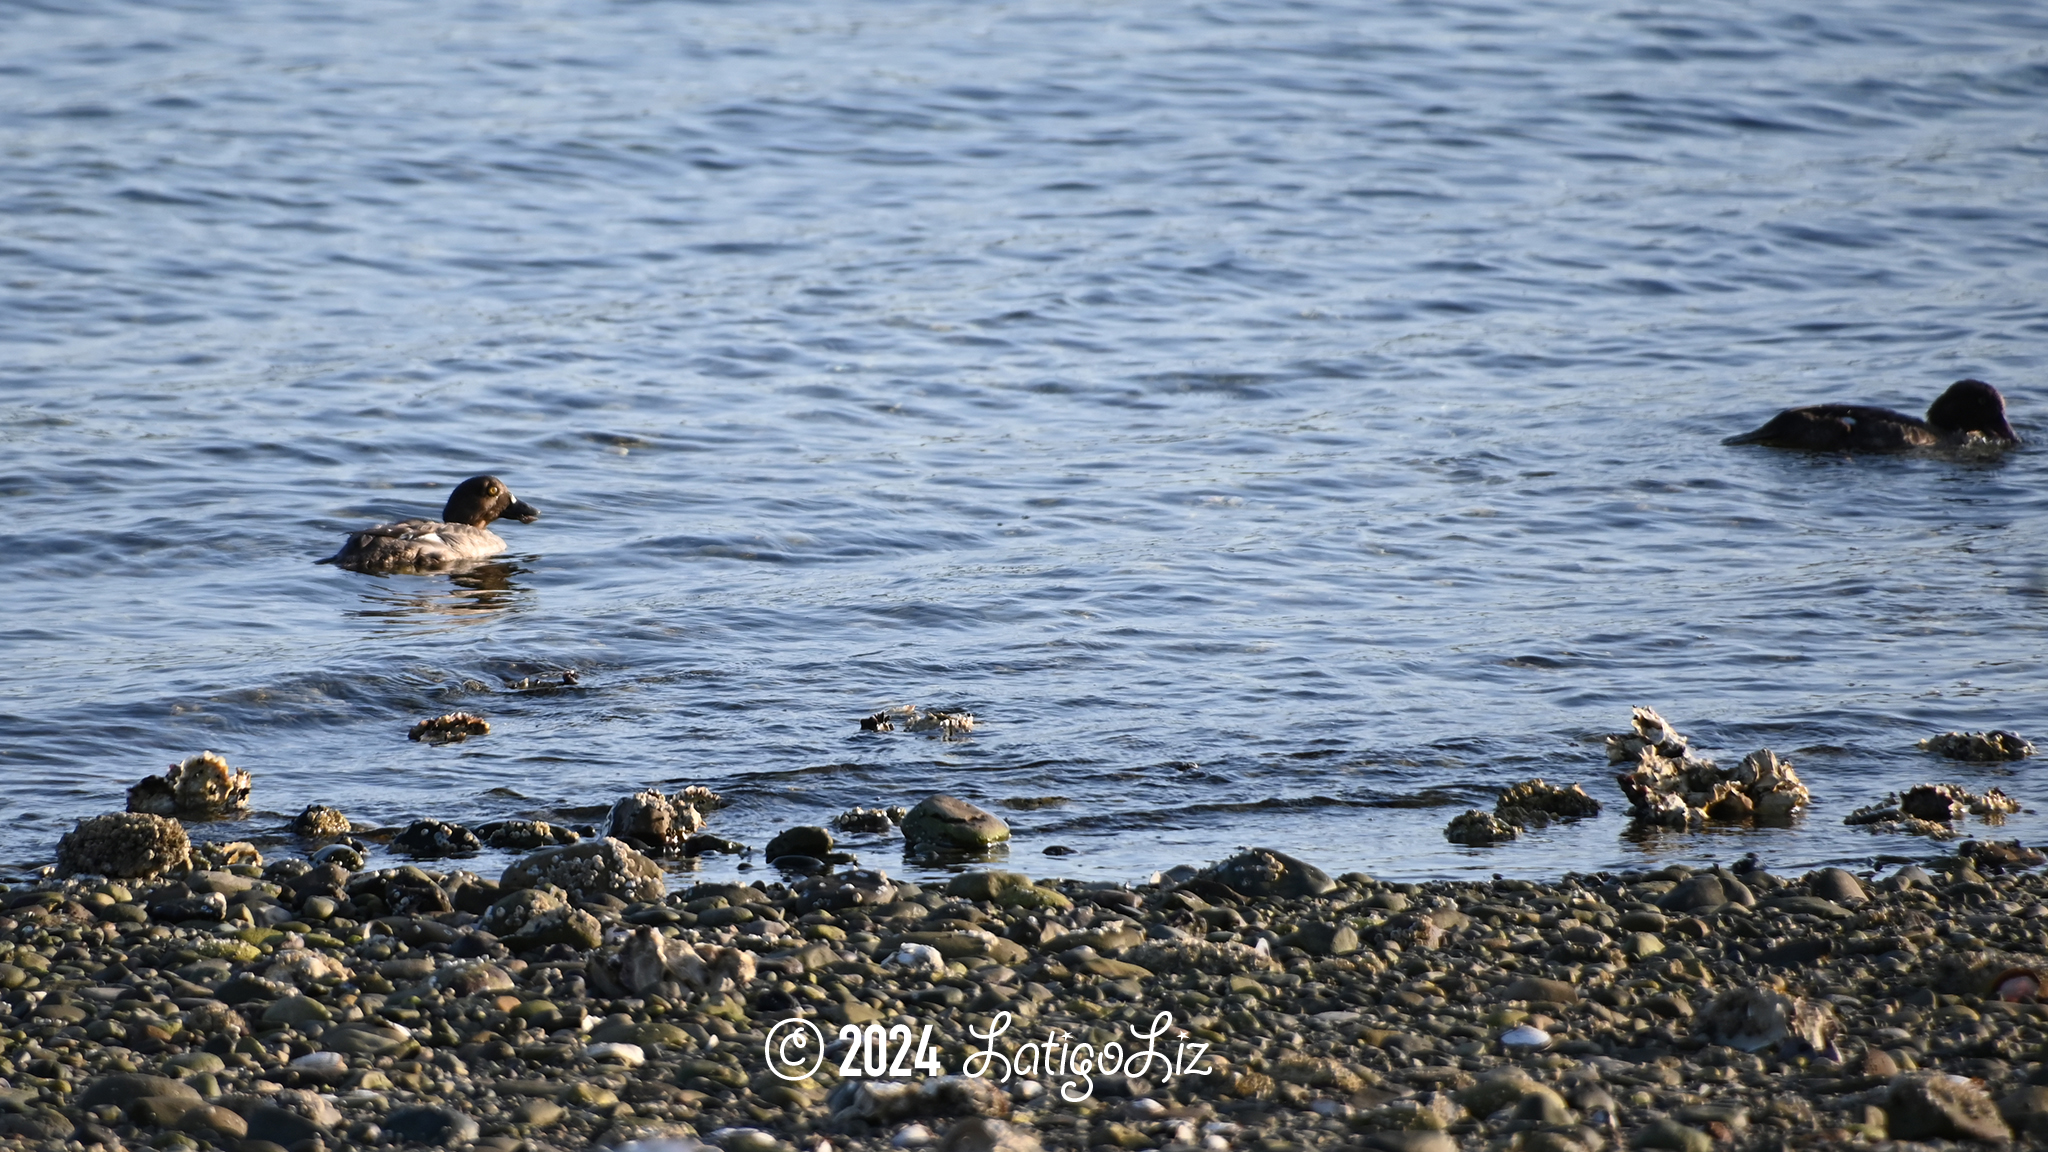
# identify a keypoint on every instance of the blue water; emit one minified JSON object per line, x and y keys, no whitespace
{"x":1278,"y":423}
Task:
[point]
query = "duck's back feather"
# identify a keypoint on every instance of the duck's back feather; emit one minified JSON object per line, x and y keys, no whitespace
{"x":415,"y":544}
{"x":1842,"y":427}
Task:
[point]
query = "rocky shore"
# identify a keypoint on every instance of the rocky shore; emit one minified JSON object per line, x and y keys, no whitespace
{"x":239,"y":1003}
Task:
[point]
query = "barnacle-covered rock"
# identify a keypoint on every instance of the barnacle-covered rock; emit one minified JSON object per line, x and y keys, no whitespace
{"x":202,"y":786}
{"x":1651,"y":732}
{"x":701,"y":798}
{"x":525,"y":835}
{"x":950,"y":725}
{"x":1534,"y":803}
{"x":319,"y":822}
{"x":123,"y":845}
{"x":652,"y":822}
{"x":1979,"y":746}
{"x":453,"y":728}
{"x":2000,"y":855}
{"x":436,"y":838}
{"x":1932,"y":810}
{"x":875,"y":820}
{"x":1668,"y":788}
{"x":1478,"y":828}
{"x":603,"y":866}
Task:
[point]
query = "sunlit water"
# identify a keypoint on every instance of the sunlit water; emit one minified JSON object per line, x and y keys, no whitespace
{"x":1279,"y":424}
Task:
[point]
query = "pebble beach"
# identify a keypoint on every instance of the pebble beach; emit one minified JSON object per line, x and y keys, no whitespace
{"x":237,"y":1002}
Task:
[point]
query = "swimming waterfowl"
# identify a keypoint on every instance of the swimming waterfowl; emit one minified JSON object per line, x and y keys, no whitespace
{"x":1969,"y":406}
{"x":462,"y":533}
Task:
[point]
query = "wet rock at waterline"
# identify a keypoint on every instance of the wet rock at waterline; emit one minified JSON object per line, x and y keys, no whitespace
{"x":452,"y":728}
{"x":1668,"y":787}
{"x":432,"y":839}
{"x":602,"y":867}
{"x":1983,"y":747}
{"x":870,"y":820}
{"x":1477,"y":829}
{"x":320,"y":822}
{"x":651,"y":822}
{"x":945,"y":823}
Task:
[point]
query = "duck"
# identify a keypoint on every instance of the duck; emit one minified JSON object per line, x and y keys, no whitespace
{"x":1970,"y":409}
{"x":461,"y":535}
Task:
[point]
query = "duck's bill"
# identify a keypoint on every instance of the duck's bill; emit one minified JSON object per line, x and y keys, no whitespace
{"x":523,"y":512}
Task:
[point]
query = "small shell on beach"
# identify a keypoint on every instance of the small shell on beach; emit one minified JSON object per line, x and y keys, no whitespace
{"x":452,"y":728}
{"x":1525,"y":1038}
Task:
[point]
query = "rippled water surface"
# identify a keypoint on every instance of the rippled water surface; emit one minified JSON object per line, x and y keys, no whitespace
{"x":1279,"y":423}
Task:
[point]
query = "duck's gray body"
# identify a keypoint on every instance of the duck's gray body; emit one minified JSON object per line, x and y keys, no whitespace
{"x":461,"y":536}
{"x":416,"y":544}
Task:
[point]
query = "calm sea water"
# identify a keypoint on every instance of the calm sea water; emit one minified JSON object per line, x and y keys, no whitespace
{"x":1280,"y":423}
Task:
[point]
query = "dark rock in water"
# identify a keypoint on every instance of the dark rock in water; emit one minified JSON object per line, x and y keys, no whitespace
{"x":703,"y":845}
{"x":269,"y":1122}
{"x":801,"y":865}
{"x":453,"y":728}
{"x":869,"y":820}
{"x":436,"y":838}
{"x":1477,"y":829}
{"x":1058,"y":850}
{"x":123,"y":845}
{"x":946,"y":822}
{"x":1263,"y":872}
{"x":1534,"y":803}
{"x":1931,"y":1105}
{"x":808,"y":840}
{"x":427,"y":1124}
{"x":652,"y":822}
{"x":318,"y":821}
{"x":524,"y":835}
{"x":202,"y":787}
{"x":1836,"y":884}
{"x":1981,"y":747}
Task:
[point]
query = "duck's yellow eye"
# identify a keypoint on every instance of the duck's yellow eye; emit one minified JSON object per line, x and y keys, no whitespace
{"x":491,"y":490}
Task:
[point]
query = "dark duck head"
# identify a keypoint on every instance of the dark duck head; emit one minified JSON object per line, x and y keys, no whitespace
{"x":481,"y":499}
{"x":1970,"y":409}
{"x":1971,"y":406}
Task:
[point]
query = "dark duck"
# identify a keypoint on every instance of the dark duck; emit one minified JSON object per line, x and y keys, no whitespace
{"x":462,"y":534}
{"x":1970,"y":411}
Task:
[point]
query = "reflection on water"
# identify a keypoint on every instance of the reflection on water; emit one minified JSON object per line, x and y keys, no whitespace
{"x":473,"y":593}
